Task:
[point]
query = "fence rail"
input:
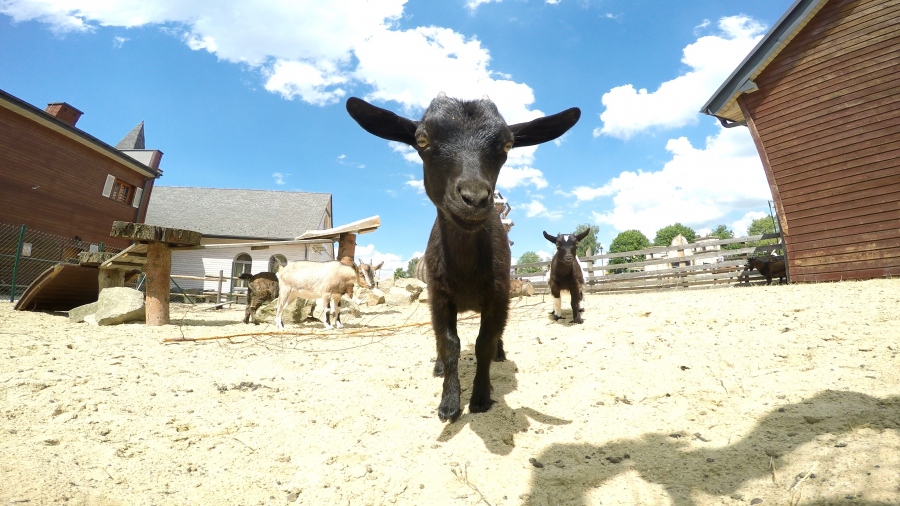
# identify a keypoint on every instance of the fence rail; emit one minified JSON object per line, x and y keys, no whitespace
{"x":707,"y":264}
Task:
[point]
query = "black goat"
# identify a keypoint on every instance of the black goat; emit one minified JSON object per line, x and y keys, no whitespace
{"x":566,"y":274}
{"x":463,"y":145}
{"x":770,"y":268}
{"x":261,"y":288}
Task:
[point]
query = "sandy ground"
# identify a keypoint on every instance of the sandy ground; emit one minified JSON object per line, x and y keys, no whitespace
{"x":721,"y":396}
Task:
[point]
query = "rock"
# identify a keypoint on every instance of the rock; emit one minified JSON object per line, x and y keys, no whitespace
{"x":296,"y":312}
{"x":375,"y":297}
{"x":118,"y":304}
{"x":77,"y":314}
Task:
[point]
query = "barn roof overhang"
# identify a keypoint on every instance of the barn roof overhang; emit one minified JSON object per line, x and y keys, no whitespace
{"x":32,"y":113}
{"x":723,"y":104}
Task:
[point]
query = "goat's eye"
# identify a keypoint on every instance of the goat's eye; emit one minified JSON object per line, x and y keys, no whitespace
{"x":422,"y":140}
{"x":507,"y":146}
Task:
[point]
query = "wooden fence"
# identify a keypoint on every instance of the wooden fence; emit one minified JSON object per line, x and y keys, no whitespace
{"x":703,"y":264}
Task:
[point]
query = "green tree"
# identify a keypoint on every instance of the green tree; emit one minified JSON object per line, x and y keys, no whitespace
{"x":589,"y":242}
{"x":629,"y":240}
{"x":399,"y":273}
{"x":411,"y":267}
{"x":665,"y":235}
{"x":759,"y":226}
{"x":530,"y":257}
{"x":723,"y":232}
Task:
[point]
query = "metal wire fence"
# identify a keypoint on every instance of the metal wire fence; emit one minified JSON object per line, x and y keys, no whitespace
{"x":26,"y":253}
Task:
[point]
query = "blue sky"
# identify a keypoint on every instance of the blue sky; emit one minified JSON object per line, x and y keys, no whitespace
{"x":251,"y":95}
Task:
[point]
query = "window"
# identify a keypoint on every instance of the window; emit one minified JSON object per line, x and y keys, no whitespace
{"x":276,"y":261}
{"x":242,"y":263}
{"x":120,"y":191}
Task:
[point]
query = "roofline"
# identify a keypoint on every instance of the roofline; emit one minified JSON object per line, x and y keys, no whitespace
{"x":241,"y":190}
{"x":771,"y":44}
{"x":27,"y":110}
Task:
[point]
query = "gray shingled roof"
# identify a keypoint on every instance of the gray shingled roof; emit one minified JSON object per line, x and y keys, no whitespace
{"x":252,"y":214}
{"x":134,"y":139}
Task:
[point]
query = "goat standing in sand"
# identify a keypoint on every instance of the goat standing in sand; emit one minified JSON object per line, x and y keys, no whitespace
{"x":463,"y":144}
{"x":566,"y":273}
{"x":325,"y":280}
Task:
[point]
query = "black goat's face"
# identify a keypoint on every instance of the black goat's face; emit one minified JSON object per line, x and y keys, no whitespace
{"x":463,"y":145}
{"x":566,"y":245}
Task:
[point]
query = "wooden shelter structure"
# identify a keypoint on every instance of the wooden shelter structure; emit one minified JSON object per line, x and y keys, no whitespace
{"x":819,"y":95}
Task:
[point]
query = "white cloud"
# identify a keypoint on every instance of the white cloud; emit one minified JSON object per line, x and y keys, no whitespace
{"x":279,"y":177}
{"x":472,"y":5}
{"x":537,"y":209}
{"x":307,"y":49}
{"x":676,"y":103}
{"x":740,"y":226}
{"x":697,"y":187}
{"x":119,"y":41}
{"x":417,"y":184}
{"x":369,"y":254}
{"x":511,"y":177}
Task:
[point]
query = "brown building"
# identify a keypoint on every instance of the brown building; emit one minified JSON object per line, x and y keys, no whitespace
{"x":57,"y":179}
{"x":819,"y":94}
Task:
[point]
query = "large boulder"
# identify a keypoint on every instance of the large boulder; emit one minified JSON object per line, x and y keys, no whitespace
{"x":115,"y":305}
{"x":296,"y":312}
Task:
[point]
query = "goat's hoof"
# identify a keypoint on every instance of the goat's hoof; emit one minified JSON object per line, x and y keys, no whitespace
{"x":500,"y":358}
{"x":450,"y":413}
{"x":438,"y":372}
{"x":556,"y":317}
{"x":577,"y":320}
{"x":480,"y":406}
{"x":581,"y":310}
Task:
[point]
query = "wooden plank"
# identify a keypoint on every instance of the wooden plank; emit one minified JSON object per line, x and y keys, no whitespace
{"x":850,"y":200}
{"x":851,"y":217}
{"x":823,"y":241}
{"x":875,"y":272}
{"x":879,"y":173}
{"x":152,"y":233}
{"x":842,"y":235}
{"x":861,"y":257}
{"x":61,"y":287}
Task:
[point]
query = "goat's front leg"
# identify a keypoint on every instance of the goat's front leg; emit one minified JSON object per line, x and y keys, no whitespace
{"x":557,"y":303}
{"x":488,"y":344}
{"x":576,"y":306}
{"x":443,"y":319}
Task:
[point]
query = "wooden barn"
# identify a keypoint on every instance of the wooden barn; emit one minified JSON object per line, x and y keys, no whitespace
{"x":820,"y":95}
{"x":57,"y":179}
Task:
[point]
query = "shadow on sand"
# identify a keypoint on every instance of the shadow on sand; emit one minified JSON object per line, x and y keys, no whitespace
{"x":671,"y":463}
{"x":498,"y":427}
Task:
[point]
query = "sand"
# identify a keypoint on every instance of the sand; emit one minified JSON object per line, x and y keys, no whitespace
{"x":755,"y":395}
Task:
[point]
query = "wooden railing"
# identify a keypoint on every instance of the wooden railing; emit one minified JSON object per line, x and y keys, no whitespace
{"x":724,"y":266}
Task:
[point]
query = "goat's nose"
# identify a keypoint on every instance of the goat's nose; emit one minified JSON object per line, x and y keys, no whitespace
{"x":474,"y":194}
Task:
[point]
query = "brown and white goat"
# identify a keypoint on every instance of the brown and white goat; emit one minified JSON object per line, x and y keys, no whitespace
{"x":261,"y":288}
{"x":566,"y":273}
{"x":463,"y":144}
{"x":319,"y":280}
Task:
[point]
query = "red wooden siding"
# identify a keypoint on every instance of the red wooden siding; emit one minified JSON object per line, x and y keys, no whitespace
{"x":826,"y":119}
{"x":53,"y":184}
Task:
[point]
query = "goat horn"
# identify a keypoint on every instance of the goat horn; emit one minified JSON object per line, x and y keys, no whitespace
{"x":442,"y":95}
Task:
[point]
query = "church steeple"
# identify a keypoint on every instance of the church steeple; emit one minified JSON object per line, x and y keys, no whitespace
{"x":134,"y":139}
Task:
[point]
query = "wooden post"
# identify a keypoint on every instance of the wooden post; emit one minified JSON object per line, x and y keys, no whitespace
{"x":159,"y":262}
{"x":590,"y":279}
{"x":219,"y":290}
{"x":346,"y":246}
{"x":159,"y":266}
{"x":110,"y":278}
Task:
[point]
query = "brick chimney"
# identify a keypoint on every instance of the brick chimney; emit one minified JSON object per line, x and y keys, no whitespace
{"x":63,"y":112}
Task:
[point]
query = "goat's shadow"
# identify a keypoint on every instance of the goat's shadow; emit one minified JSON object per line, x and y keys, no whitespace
{"x":684,"y":471}
{"x":498,"y":426}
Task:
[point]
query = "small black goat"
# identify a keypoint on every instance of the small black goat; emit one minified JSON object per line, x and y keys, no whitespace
{"x":463,"y":145}
{"x":566,"y":274}
{"x":261,"y":288}
{"x":769,"y":267}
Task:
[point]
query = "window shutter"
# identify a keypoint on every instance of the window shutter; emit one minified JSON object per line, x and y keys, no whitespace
{"x":107,"y":188}
{"x":138,"y":193}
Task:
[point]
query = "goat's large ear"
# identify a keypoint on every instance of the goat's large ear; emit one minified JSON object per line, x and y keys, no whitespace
{"x":381,"y":122}
{"x":581,"y":236}
{"x":549,"y":237}
{"x":544,"y":129}
{"x":378,"y":266}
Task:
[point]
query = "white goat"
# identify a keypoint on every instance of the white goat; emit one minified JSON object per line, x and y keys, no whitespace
{"x":319,"y":280}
